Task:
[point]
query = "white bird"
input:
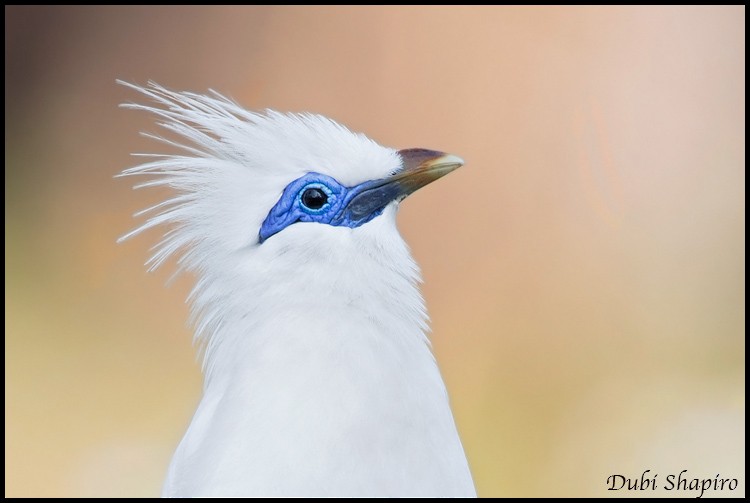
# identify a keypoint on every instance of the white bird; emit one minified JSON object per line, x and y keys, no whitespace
{"x":319,"y":378}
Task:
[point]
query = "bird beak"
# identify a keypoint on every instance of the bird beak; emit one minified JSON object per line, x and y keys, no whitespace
{"x":419,"y":167}
{"x":422,"y":166}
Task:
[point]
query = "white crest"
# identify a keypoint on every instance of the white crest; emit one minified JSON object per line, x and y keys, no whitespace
{"x":232,"y":167}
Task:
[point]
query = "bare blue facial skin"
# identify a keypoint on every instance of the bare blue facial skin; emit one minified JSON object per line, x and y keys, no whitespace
{"x":315,"y":197}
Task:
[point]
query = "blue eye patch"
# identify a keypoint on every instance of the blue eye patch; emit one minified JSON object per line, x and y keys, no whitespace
{"x":315,"y":197}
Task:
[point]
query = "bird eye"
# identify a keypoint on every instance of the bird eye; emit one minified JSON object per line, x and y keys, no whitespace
{"x":314,"y":198}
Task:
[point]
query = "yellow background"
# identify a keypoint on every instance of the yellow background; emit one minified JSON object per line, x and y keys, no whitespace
{"x":584,"y":271}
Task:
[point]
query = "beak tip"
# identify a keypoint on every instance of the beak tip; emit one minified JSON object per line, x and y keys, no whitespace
{"x":452,"y":159}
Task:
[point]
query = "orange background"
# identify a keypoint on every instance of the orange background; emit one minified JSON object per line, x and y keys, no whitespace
{"x":584,"y":271}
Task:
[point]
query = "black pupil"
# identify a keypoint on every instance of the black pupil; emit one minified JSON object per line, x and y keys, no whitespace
{"x":314,"y":198}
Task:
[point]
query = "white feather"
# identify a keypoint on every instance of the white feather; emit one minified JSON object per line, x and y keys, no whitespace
{"x":319,"y":380}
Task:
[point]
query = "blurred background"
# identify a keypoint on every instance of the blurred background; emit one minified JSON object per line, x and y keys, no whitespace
{"x":584,"y":271}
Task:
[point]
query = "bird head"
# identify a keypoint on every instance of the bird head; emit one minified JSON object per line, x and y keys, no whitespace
{"x":261,"y":192}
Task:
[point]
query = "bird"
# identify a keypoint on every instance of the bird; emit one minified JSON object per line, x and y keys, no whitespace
{"x":319,"y":377}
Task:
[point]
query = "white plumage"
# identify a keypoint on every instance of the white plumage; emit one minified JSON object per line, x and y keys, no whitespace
{"x":319,"y":380}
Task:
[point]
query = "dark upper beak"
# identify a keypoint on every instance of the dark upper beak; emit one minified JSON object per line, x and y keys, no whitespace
{"x":419,"y":167}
